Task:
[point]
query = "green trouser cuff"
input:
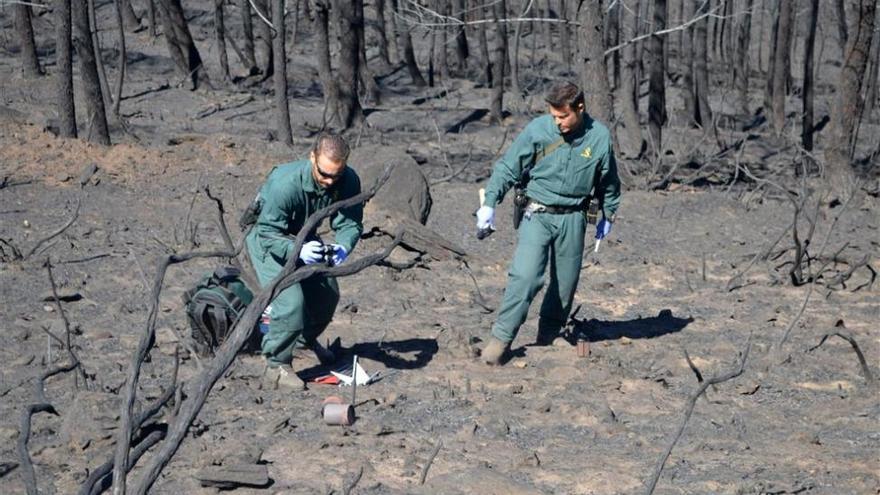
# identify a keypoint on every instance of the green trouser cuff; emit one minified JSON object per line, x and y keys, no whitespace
{"x":505,"y":336}
{"x":279,"y":343}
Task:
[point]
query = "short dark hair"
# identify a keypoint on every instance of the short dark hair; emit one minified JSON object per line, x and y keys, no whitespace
{"x":332,"y":146}
{"x":564,"y":94}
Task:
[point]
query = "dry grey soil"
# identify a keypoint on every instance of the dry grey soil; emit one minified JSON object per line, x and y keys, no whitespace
{"x":799,"y":421}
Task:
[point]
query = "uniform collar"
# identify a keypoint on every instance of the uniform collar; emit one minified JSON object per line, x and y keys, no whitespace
{"x":308,"y":179}
{"x":577,"y":134}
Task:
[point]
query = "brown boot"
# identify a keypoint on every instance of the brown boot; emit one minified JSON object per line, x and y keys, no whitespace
{"x":282,"y":377}
{"x":494,"y":351}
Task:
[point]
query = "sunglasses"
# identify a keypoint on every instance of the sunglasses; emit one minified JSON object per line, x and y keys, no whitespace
{"x":327,"y":175}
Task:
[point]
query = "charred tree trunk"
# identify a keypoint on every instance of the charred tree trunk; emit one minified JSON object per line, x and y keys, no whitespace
{"x":845,"y":114}
{"x":64,"y":81}
{"x":442,"y":58}
{"x":395,"y":34}
{"x":741,"y":65}
{"x":688,"y":58}
{"x":500,"y":11}
{"x":656,"y":85}
{"x":496,"y":105}
{"x":873,"y":63}
{"x":130,"y":19}
{"x":564,"y":38}
{"x":594,"y":72}
{"x":98,"y":131}
{"x":180,"y":43}
{"x":265,"y":37}
{"x":220,"y":38}
{"x":701,"y":72}
{"x":24,"y":31}
{"x":432,"y":55}
{"x":808,"y":92}
{"x":349,"y":107}
{"x":322,"y":31}
{"x":517,"y":35}
{"x":725,"y":37}
{"x":282,"y":112}
{"x":612,"y":38}
{"x":643,"y":28}
{"x":462,"y":52}
{"x":151,"y":17}
{"x":842,"y":30}
{"x":484,"y":46}
{"x":247,"y":27}
{"x":409,"y":57}
{"x":771,"y":66}
{"x":631,"y":141}
{"x":120,"y":23}
{"x":781,"y":65}
{"x":384,"y":54}
{"x":99,"y":59}
{"x":367,"y":80}
{"x":546,"y":27}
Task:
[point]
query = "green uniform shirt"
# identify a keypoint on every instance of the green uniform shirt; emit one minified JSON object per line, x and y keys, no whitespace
{"x":291,"y":194}
{"x":566,"y":176}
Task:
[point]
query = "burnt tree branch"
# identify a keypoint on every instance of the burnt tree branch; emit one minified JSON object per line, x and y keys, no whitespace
{"x":689,"y":409}
{"x":83,"y":180}
{"x":866,"y":370}
{"x":144,"y":345}
{"x":24,"y":432}
{"x":96,"y":481}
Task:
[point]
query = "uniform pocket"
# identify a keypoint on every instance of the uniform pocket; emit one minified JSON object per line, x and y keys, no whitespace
{"x":583,"y":174}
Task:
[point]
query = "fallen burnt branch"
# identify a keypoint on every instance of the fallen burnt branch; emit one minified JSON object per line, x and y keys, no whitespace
{"x":74,"y":358}
{"x":145,"y":344}
{"x":736,"y":282}
{"x":84,"y":178}
{"x":290,"y":275}
{"x":842,"y":277}
{"x":866,"y":370}
{"x":100,"y":480}
{"x":24,"y":432}
{"x":689,"y":409}
{"x":430,"y":461}
{"x":97,"y":480}
{"x":418,"y":237}
{"x":788,"y":329}
{"x":478,"y":298}
{"x":693,"y":367}
{"x":247,"y":271}
{"x":349,"y":486}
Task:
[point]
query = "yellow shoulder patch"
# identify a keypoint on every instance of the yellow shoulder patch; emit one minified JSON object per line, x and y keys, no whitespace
{"x":587,"y":153}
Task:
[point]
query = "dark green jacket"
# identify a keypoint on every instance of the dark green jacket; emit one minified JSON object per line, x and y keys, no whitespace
{"x":568,"y":174}
{"x":290,"y":195}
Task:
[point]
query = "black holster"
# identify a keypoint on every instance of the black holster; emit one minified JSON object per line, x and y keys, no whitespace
{"x":520,"y":201}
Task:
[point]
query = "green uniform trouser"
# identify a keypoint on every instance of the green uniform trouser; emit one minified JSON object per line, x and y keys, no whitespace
{"x":300,"y":313}
{"x":544,"y":237}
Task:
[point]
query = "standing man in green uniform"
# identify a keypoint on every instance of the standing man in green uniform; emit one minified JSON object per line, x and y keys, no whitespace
{"x":292,"y":192}
{"x":569,"y":158}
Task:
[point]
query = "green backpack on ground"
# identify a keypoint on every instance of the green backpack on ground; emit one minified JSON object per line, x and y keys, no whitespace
{"x":214,"y":305}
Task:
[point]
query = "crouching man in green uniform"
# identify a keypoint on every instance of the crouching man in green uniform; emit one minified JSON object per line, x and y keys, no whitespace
{"x":292,"y":192}
{"x":569,"y":158}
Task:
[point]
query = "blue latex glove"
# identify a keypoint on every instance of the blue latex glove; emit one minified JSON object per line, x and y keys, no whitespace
{"x":603,"y":228}
{"x":339,"y":254}
{"x":310,"y":252}
{"x":486,"y":217}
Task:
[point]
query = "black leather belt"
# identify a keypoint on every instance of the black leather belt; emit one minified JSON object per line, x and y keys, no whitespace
{"x":535,"y":207}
